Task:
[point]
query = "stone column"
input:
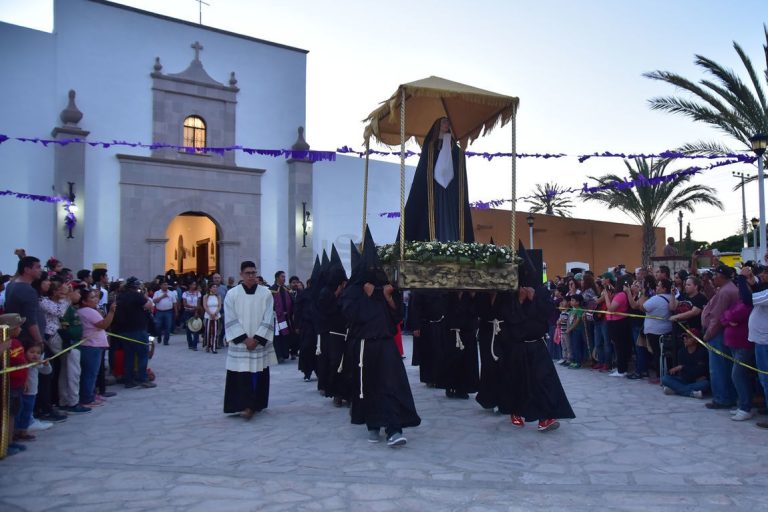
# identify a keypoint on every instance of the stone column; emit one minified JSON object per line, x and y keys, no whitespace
{"x":69,"y":167}
{"x":300,"y":251}
{"x":156,"y":258}
{"x":229,"y":265}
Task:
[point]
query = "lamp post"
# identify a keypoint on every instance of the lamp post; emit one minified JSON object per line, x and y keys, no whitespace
{"x":743,"y":205}
{"x":680,"y":221}
{"x":306,"y":223}
{"x":759,"y":143}
{"x":530,"y":230}
{"x":755,"y":223}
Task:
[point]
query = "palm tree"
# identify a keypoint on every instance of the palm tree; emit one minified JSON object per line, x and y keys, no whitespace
{"x":648,"y":204}
{"x":550,"y":200}
{"x":725,"y":102}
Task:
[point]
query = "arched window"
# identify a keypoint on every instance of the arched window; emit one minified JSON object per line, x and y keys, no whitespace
{"x":194,"y":132}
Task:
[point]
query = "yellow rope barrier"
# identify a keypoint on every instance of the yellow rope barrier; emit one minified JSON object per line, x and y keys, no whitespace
{"x":365,"y":190}
{"x":682,"y":326}
{"x":402,"y":176}
{"x":513,"y":229}
{"x":5,"y":389}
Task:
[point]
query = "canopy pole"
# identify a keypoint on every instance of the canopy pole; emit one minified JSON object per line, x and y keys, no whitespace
{"x":402,"y":176}
{"x":365,"y":188}
{"x":513,"y":230}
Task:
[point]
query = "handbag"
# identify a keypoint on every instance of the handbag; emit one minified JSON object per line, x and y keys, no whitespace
{"x":55,"y":344}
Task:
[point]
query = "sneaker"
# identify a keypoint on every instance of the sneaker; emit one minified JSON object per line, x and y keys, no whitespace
{"x":565,"y":362}
{"x":670,"y":391}
{"x":374,"y":436}
{"x":517,"y":421}
{"x":634,"y":376}
{"x":396,"y":439}
{"x":337,"y":401}
{"x":574,"y":366}
{"x":93,"y":404}
{"x":598,"y":366}
{"x":547,"y":425}
{"x":697,"y":394}
{"x":716,"y":405}
{"x":761,"y":424}
{"x":148,"y":384}
{"x":77,"y":409}
{"x":108,"y":394}
{"x":742,"y":415}
{"x":129,"y":385}
{"x":53,"y":417}
{"x":616,"y":373}
{"x":39,"y":425}
{"x":307,"y":379}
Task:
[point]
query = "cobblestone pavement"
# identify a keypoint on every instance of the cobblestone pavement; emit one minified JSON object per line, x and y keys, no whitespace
{"x":171,"y":448}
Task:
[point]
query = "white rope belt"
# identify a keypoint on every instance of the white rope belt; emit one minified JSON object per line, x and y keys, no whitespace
{"x":459,"y":344}
{"x":317,"y":349}
{"x":360,"y":364}
{"x":341,"y":364}
{"x":437,"y":321}
{"x":496,"y":330}
{"x":534,"y":341}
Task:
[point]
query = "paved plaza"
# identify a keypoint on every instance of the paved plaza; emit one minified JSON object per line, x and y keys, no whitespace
{"x":171,"y":448}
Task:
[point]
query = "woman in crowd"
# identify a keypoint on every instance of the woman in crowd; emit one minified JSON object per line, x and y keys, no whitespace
{"x":191,"y":302}
{"x":619,"y":329}
{"x":590,"y":294}
{"x":603,"y":347}
{"x":735,"y":331}
{"x":657,"y":322}
{"x":212,"y":318}
{"x":94,"y":343}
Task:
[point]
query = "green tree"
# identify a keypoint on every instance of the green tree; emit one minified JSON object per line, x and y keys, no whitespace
{"x":549,"y":198}
{"x":721,"y":100}
{"x":649,"y":203}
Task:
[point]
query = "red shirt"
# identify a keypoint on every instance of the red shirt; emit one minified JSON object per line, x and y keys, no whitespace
{"x":17,"y":358}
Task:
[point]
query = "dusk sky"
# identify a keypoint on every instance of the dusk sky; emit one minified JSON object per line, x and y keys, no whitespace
{"x":576,"y":67}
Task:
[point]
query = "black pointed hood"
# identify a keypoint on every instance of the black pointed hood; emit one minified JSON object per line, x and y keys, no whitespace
{"x":492,"y":242}
{"x":526,"y":270}
{"x":369,"y":269}
{"x":315,"y":271}
{"x":354,"y":255}
{"x":336,"y":272}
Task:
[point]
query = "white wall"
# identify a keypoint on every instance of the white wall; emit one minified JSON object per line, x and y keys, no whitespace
{"x":106,"y":54}
{"x":338,"y":202}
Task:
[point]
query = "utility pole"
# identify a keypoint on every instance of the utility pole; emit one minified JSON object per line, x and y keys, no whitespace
{"x":743,"y":205}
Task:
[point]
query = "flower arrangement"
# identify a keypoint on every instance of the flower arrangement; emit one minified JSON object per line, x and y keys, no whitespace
{"x":470,"y":254}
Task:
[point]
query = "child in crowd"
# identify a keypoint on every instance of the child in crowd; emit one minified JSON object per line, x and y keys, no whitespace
{"x":575,"y":330}
{"x":562,"y":324}
{"x":24,"y":417}
{"x":17,"y":378}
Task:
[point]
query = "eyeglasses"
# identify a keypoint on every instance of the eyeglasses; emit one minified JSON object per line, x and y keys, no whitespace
{"x":250,"y":273}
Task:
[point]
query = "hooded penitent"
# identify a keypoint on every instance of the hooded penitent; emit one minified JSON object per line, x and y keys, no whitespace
{"x":438,"y":203}
{"x":336,"y":272}
{"x":369,"y":269}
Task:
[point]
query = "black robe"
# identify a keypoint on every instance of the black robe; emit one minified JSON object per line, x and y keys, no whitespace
{"x":458,"y":368}
{"x":531,"y":387}
{"x":382,"y":394}
{"x":303,"y":316}
{"x":446,"y":200}
{"x":333,"y":342}
{"x":427,"y":314}
{"x":489,"y":387}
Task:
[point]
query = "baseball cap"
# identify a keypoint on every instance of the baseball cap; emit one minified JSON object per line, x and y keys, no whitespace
{"x":724,"y":270}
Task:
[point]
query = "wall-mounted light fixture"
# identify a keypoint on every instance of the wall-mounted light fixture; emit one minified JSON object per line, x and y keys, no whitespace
{"x":306,"y":223}
{"x":70,"y":208}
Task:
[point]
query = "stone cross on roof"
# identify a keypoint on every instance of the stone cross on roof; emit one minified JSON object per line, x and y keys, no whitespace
{"x":197,"y":47}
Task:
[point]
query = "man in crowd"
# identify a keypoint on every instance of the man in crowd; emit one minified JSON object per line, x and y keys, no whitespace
{"x":670,"y":249}
{"x":100,"y":283}
{"x":723,"y":390}
{"x":250,"y":329}
{"x":283,"y":318}
{"x":166,"y":306}
{"x":131,"y":322}
{"x":221,"y":291}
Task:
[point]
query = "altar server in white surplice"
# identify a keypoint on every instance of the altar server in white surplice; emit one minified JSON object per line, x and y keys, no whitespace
{"x":250,"y":328}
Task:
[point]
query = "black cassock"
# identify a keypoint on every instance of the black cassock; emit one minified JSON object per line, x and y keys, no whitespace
{"x":531,"y":387}
{"x":427,"y":314}
{"x":488,"y":311}
{"x":303,"y":316}
{"x":458,"y":368}
{"x":382,"y":395}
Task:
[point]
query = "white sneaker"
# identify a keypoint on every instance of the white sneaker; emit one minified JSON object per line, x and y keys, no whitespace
{"x":668,"y":391}
{"x":697,"y":394}
{"x":39,"y":425}
{"x":742,"y":415}
{"x":615,"y":373}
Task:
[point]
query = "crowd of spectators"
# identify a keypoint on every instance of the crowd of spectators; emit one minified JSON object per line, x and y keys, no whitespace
{"x":649,"y":325}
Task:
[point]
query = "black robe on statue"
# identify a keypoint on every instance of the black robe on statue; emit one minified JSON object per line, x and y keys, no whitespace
{"x":447,"y":201}
{"x":531,"y":387}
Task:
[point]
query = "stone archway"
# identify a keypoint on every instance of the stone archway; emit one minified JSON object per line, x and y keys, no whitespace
{"x":192,"y":244}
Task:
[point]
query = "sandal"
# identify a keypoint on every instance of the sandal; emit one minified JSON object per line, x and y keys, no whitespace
{"x":24,"y":437}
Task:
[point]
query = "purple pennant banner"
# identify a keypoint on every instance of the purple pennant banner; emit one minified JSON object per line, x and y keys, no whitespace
{"x":69,"y":219}
{"x":314,"y":156}
{"x":624,"y":184}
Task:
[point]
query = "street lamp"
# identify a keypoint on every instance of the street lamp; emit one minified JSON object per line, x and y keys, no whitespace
{"x":759,"y":143}
{"x":680,"y":220}
{"x":755,"y":223}
{"x":530,"y":230}
{"x":306,"y":223}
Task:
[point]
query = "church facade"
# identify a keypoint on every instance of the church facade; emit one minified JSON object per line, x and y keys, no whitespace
{"x":113,"y":73}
